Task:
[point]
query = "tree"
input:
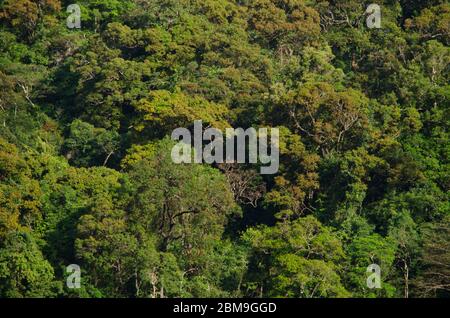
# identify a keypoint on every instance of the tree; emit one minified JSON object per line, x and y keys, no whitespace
{"x":24,"y":272}
{"x":329,"y":119}
{"x":20,"y":206}
{"x":434,"y":277}
{"x":298,"y":258}
{"x":165,"y":111}
{"x":282,"y":23}
{"x":365,"y":251}
{"x":88,"y":145}
{"x":96,"y":14}
{"x":297,"y":181}
{"x":113,"y":255}
{"x":404,"y":232}
{"x":432,"y":23}
{"x":169,"y":201}
{"x":68,"y":194}
{"x":27,"y":14}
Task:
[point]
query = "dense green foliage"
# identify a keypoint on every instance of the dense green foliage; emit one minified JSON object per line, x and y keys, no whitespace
{"x":86,"y":175}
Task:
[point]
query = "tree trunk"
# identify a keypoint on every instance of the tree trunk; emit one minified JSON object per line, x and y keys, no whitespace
{"x":406,"y":277}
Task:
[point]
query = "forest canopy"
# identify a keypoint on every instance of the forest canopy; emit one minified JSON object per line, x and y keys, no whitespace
{"x":86,"y":175}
